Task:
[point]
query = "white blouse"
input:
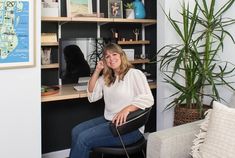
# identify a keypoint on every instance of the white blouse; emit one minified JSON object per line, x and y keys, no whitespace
{"x":132,"y":90}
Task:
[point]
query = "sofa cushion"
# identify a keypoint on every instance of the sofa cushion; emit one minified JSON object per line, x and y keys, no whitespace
{"x":217,"y":134}
{"x":231,"y":104}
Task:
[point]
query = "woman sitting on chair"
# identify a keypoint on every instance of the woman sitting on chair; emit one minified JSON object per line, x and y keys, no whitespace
{"x":124,"y":89}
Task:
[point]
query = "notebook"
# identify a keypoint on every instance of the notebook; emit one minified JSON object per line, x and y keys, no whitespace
{"x":82,"y":83}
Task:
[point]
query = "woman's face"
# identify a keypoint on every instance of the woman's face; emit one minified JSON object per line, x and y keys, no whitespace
{"x":113,"y":60}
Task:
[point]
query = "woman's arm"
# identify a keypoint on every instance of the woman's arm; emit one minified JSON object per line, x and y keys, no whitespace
{"x":95,"y":76}
{"x":143,"y":97}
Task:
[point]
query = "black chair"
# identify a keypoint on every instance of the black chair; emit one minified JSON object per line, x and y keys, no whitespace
{"x":134,"y":121}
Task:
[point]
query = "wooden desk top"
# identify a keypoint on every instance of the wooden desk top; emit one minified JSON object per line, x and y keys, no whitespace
{"x":68,"y":92}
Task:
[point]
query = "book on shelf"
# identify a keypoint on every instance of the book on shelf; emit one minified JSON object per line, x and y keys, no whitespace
{"x":48,"y":37}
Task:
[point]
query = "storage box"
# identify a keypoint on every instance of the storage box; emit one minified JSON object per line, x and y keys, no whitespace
{"x":48,"y":37}
{"x":50,"y":9}
{"x":130,"y":53}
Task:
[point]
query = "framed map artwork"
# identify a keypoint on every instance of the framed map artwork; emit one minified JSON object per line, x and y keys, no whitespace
{"x":76,"y":8}
{"x":17,"y":33}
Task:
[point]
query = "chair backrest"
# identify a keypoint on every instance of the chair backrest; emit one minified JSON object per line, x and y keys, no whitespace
{"x":134,"y":121}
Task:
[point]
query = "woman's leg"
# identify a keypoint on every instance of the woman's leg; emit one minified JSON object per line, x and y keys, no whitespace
{"x":98,"y":135}
{"x":84,"y":126}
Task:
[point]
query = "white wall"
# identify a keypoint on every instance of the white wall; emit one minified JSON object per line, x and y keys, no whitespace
{"x":166,"y":35}
{"x":20,"y":109}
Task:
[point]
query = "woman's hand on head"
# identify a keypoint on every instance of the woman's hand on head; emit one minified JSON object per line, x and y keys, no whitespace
{"x":99,"y":66}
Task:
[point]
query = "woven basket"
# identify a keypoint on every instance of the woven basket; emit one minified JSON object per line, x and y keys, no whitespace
{"x":185,"y":115}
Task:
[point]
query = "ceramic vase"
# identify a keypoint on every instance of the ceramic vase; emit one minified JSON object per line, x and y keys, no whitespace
{"x":46,"y":56}
{"x":130,"y":14}
{"x":139,"y":9}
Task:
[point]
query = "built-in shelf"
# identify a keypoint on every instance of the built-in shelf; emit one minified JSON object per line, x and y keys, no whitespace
{"x":68,"y":92}
{"x":102,"y":20}
{"x":50,"y":66}
{"x":56,"y":65}
{"x":133,"y":42}
{"x":49,"y":43}
{"x":140,"y":61}
{"x":56,"y":19}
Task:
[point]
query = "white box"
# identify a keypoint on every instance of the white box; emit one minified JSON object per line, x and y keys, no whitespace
{"x":50,"y":9}
{"x":130,"y":53}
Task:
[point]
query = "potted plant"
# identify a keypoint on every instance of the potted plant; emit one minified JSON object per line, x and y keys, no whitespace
{"x":193,"y":64}
{"x":130,"y":14}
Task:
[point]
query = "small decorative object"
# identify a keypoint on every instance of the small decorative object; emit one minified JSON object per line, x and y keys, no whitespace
{"x":115,"y":33}
{"x":77,"y":8}
{"x":139,"y":9}
{"x":49,"y":90}
{"x":136,"y":32}
{"x":46,"y":56}
{"x":115,"y":9}
{"x":142,"y":56}
{"x":130,"y":14}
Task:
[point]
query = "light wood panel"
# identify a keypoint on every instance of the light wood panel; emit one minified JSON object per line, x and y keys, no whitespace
{"x":68,"y":92}
{"x":50,"y":66}
{"x":140,"y":61}
{"x":49,"y":43}
{"x":103,"y":20}
{"x":133,"y":42}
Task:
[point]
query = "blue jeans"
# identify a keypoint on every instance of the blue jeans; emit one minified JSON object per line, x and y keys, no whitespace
{"x":95,"y":133}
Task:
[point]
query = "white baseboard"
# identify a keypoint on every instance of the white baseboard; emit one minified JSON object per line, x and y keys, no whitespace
{"x":57,"y":154}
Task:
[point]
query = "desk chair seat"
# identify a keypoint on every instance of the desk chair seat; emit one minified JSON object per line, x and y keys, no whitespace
{"x":134,"y":121}
{"x":131,"y":149}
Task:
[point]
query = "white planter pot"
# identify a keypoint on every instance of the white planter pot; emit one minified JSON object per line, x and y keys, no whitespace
{"x":130,"y":14}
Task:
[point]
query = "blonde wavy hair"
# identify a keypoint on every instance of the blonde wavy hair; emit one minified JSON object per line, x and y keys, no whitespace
{"x":108,"y":73}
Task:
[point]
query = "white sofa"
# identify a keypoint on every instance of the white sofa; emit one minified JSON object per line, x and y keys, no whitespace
{"x":173,"y":142}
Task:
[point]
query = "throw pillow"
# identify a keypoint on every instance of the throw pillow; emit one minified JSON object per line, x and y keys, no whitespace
{"x":217,"y":134}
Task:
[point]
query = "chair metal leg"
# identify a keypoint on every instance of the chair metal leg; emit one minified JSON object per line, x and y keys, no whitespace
{"x":143,"y":153}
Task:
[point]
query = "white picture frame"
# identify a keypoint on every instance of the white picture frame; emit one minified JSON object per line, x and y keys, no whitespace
{"x":76,"y":8}
{"x":17,"y":48}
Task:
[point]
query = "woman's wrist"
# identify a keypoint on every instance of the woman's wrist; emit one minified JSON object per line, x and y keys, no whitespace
{"x":131,"y":108}
{"x":97,"y":72}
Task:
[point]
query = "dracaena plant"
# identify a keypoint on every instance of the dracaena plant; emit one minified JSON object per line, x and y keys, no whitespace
{"x":194,"y":64}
